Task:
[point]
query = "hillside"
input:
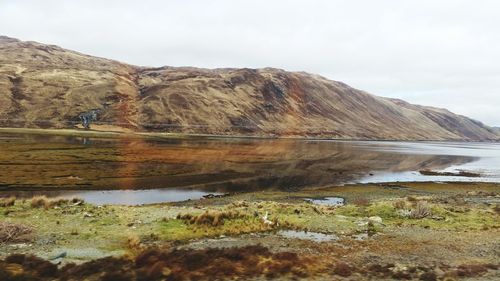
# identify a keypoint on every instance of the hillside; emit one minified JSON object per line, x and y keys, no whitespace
{"x":45,"y":86}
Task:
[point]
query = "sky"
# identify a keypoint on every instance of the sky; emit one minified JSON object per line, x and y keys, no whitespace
{"x":443,"y":53}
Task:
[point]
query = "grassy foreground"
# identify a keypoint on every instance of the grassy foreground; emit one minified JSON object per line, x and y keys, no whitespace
{"x":423,"y":231}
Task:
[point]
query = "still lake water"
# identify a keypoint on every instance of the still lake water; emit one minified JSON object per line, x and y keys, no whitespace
{"x":140,"y":171}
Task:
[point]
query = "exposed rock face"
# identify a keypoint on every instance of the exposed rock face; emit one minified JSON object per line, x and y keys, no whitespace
{"x":47,"y":86}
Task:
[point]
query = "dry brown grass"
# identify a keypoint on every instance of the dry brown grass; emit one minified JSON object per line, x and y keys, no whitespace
{"x":362,"y":202}
{"x":7,"y":202}
{"x":472,"y":270}
{"x":212,"y":218}
{"x":46,"y":203}
{"x":134,"y":243}
{"x":343,"y":269}
{"x":421,"y":210}
{"x":411,"y":199}
{"x":19,"y":267}
{"x":14,"y":233}
{"x":400,"y":204}
{"x":496,"y":209}
{"x":237,"y":263}
{"x":40,"y":202}
{"x":155,"y":264}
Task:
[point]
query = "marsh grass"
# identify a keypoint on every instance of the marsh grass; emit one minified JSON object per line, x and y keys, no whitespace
{"x":238,"y":218}
{"x":212,"y":218}
{"x":8,"y":202}
{"x":46,"y":203}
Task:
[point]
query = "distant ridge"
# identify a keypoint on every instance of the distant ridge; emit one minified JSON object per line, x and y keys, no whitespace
{"x":45,"y":86}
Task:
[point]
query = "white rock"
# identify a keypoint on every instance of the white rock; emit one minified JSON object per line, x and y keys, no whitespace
{"x":375,"y":219}
{"x":265,"y":220}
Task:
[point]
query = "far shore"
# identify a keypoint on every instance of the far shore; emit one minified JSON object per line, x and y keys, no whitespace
{"x":118,"y":132}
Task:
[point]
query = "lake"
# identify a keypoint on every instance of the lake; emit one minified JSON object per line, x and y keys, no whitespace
{"x":163,"y":170}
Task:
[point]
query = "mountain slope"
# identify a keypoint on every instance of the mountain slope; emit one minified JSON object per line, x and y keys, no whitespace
{"x":47,"y":86}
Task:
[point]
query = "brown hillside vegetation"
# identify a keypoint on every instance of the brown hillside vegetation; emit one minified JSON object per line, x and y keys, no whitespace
{"x":45,"y":86}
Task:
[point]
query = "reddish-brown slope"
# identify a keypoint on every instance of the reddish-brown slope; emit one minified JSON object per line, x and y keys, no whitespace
{"x":47,"y":86}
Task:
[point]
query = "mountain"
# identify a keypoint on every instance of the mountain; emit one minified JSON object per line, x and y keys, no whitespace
{"x":46,"y":86}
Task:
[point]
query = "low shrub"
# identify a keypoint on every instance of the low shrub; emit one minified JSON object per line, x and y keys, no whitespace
{"x":421,"y":210}
{"x":13,"y":232}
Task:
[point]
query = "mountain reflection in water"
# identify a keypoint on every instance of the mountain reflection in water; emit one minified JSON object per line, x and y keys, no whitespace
{"x":31,"y":162}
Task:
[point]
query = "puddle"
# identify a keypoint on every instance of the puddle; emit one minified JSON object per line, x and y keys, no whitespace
{"x":361,"y":236}
{"x":120,"y":197}
{"x":311,"y":236}
{"x":329,"y":201}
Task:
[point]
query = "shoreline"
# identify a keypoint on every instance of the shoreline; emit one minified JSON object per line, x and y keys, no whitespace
{"x":343,"y":191}
{"x":15,"y":188}
{"x":156,"y":135}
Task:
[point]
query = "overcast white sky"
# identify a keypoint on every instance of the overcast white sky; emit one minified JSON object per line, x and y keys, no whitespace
{"x":443,"y":53}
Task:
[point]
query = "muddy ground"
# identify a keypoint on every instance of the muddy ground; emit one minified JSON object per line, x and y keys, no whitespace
{"x":403,"y":231}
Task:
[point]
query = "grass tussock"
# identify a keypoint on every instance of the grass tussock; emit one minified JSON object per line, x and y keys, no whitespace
{"x":39,"y":202}
{"x":413,"y":208}
{"x":229,"y":221}
{"x":496,"y":209}
{"x":7,"y":202}
{"x":362,"y":202}
{"x":421,"y":210}
{"x":212,"y":218}
{"x":474,"y":270}
{"x":14,"y":233}
{"x":400,"y":204}
{"x":134,"y":243}
{"x":343,"y":269}
{"x":46,"y":203}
